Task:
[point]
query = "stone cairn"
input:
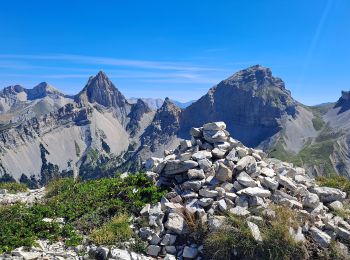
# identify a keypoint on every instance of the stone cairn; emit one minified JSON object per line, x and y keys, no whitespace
{"x":213,"y":174}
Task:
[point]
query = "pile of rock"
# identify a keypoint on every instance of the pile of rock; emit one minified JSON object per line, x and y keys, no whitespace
{"x":213,"y":174}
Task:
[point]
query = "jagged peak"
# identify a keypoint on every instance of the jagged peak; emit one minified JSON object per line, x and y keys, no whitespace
{"x":100,"y":80}
{"x":101,"y":90}
{"x":142,"y":105}
{"x":169,"y":104}
{"x":345,"y":95}
{"x":343,"y":102}
{"x":101,"y":74}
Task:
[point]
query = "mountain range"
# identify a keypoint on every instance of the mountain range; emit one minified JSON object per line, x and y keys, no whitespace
{"x":45,"y":133}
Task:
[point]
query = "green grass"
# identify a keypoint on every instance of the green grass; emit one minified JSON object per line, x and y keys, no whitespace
{"x":320,"y":109}
{"x":318,"y":123}
{"x":235,"y":241}
{"x":13,"y":187}
{"x":335,"y":181}
{"x":86,"y":206}
{"x":115,"y":231}
{"x":316,"y":154}
{"x":280,"y":152}
{"x":89,"y":204}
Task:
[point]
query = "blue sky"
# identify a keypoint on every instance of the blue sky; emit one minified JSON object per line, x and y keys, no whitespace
{"x":176,"y":48}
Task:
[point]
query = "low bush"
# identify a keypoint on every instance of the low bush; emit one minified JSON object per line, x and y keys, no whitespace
{"x":85,"y":205}
{"x":89,"y":204}
{"x":335,"y":181}
{"x":21,"y":226}
{"x":117,"y":230}
{"x":13,"y":187}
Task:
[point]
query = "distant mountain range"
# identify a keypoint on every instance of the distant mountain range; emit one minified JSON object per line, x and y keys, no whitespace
{"x":155,"y":103}
{"x":45,"y":133}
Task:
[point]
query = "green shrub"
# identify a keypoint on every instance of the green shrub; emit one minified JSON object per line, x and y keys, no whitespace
{"x":85,"y":206}
{"x":93,"y":202}
{"x":13,"y":187}
{"x":21,"y":226}
{"x":117,"y":230}
{"x":335,"y":181}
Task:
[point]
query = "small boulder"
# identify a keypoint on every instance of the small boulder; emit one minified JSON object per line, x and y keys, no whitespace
{"x":190,"y":252}
{"x":244,"y":179}
{"x":214,"y":126}
{"x":255,"y":191}
{"x":327,"y":194}
{"x":224,"y":173}
{"x":176,"y":223}
{"x":254,"y":229}
{"x":153,"y":250}
{"x":311,"y":200}
{"x":320,"y":237}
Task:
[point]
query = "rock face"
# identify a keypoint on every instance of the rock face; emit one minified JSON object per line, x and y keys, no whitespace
{"x":257,"y":101}
{"x":344,"y":102}
{"x":241,"y":185}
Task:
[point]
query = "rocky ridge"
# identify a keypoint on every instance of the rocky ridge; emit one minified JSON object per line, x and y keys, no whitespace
{"x":213,"y":175}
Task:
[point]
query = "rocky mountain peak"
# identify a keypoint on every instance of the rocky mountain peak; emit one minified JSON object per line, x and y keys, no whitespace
{"x":168,"y":109}
{"x":343,"y":102}
{"x":256,"y":100}
{"x":345,"y":95}
{"x":101,"y":90}
{"x":164,"y":126}
{"x":42,"y":90}
{"x":12,"y":90}
{"x":255,"y":78}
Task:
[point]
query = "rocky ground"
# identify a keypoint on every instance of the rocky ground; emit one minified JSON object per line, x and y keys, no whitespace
{"x":212,"y":176}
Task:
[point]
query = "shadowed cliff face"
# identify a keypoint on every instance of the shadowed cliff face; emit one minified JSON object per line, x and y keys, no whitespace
{"x":343,"y":102}
{"x":252,"y":103}
{"x":163,"y":127}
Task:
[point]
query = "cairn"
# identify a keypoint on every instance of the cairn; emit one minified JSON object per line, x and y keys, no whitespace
{"x":213,"y":175}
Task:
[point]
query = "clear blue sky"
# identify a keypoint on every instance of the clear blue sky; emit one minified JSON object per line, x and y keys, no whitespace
{"x":176,"y":48}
